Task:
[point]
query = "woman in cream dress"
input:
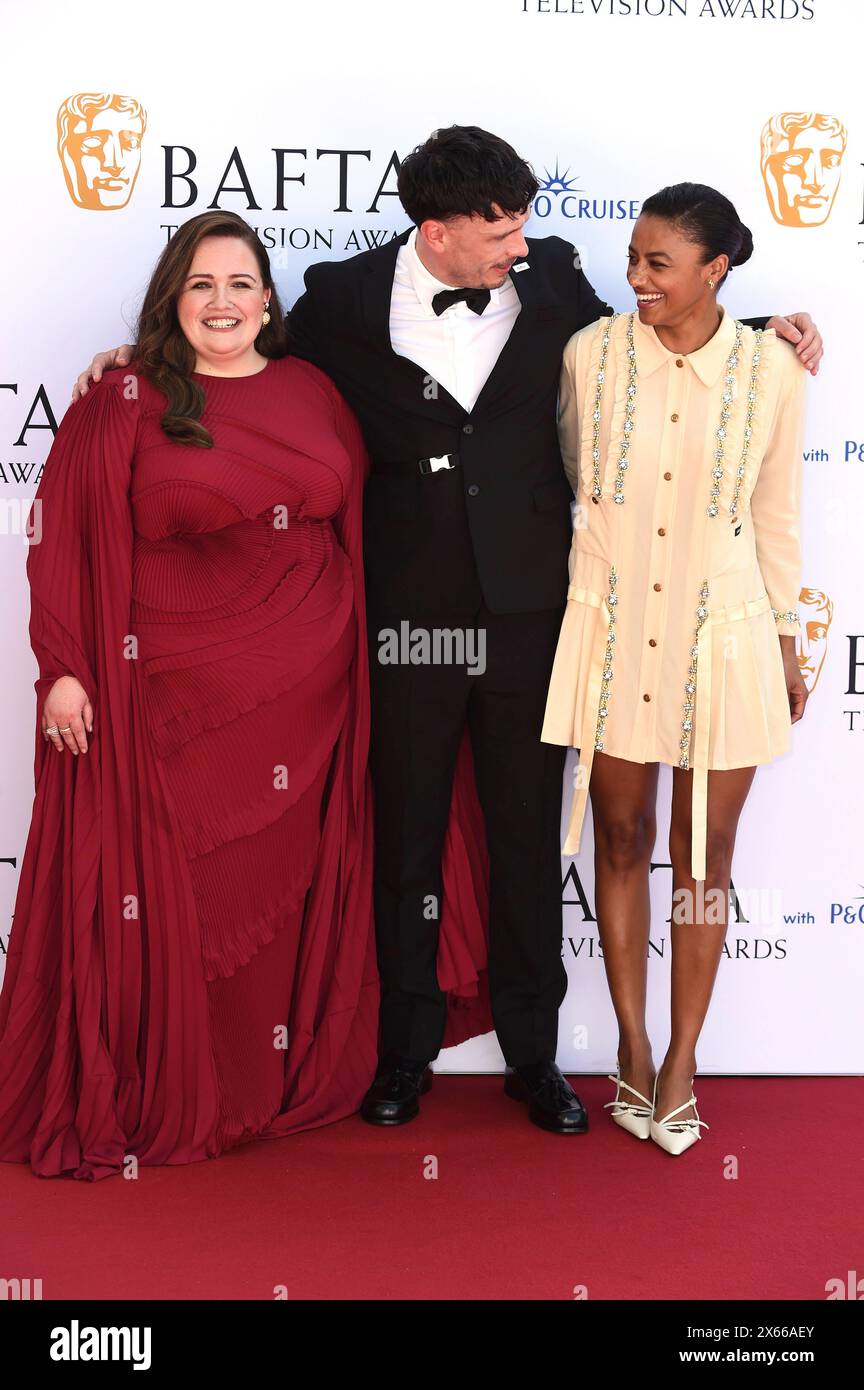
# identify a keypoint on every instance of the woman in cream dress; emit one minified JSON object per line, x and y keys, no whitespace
{"x":681,"y":433}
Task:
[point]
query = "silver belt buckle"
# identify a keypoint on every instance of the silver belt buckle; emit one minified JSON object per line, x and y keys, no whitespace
{"x":437,"y":462}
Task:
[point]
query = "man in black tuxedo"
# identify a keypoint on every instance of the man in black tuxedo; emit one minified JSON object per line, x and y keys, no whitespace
{"x":447,"y":343}
{"x":467,"y":526}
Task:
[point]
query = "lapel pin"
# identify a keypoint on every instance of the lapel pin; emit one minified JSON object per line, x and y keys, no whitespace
{"x":520,"y":265}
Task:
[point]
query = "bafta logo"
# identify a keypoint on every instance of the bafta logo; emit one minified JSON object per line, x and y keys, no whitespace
{"x":813,"y":641}
{"x":801,"y":156}
{"x":99,"y":139}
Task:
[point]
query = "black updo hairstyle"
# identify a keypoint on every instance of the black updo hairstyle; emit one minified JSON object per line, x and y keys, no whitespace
{"x":706,"y":218}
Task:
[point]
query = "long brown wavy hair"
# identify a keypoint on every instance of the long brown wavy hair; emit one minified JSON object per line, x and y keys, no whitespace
{"x":164,"y":354}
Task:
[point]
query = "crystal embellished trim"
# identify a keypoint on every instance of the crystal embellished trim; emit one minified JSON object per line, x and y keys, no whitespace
{"x":726,"y":410}
{"x":690,"y":685}
{"x":603,"y":708}
{"x":629,"y":411}
{"x":596,"y":486}
{"x":790,"y":616}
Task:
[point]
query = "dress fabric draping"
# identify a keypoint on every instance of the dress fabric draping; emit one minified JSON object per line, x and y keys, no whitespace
{"x":669,"y":646}
{"x":192,"y":960}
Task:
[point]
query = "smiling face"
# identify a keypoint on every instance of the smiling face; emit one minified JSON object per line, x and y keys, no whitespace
{"x":221,"y":307}
{"x":669,"y":274}
{"x":473,"y":253}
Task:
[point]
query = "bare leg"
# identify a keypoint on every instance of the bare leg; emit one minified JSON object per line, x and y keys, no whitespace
{"x":699,"y":920}
{"x":623,"y":802}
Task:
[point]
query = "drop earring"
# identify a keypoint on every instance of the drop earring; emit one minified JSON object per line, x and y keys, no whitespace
{"x":266,"y":316}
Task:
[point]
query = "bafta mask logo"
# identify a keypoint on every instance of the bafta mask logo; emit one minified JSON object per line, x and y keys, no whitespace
{"x":99,"y":143}
{"x":813,"y":641}
{"x":801,"y":156}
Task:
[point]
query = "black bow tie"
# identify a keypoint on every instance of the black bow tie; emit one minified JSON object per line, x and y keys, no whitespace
{"x":475,"y":299}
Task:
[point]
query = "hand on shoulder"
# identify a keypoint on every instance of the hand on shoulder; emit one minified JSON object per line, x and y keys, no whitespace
{"x":102,"y":362}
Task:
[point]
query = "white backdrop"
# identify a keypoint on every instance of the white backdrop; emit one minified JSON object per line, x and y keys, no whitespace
{"x":609,"y":99}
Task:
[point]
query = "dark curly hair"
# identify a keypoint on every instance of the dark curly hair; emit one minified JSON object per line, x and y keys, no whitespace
{"x":463,"y":171}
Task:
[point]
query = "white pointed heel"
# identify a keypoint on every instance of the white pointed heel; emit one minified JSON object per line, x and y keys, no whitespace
{"x":676,"y":1135}
{"x":636,"y":1119}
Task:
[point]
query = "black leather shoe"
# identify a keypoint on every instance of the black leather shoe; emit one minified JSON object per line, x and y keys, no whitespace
{"x":552,"y":1102}
{"x":393,"y":1097}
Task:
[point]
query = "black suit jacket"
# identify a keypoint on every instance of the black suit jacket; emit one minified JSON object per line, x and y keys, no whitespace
{"x":499,"y":526}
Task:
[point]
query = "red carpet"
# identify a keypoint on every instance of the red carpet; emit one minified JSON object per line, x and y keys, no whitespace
{"x":346,"y":1213}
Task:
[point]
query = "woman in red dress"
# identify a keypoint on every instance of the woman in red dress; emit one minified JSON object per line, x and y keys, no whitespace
{"x":192,"y":960}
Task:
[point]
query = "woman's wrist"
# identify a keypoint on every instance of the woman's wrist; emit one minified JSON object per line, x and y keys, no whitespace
{"x":788,"y":651}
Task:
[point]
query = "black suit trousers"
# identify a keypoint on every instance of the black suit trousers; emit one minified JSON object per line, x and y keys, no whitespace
{"x":419,"y":714}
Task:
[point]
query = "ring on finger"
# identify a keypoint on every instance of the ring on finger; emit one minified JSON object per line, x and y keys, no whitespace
{"x":52,"y":730}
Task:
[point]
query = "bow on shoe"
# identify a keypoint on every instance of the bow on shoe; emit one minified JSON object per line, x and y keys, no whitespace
{"x":557,"y":1089}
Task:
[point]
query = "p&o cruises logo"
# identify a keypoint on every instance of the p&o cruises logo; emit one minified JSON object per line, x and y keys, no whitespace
{"x":559,"y":193}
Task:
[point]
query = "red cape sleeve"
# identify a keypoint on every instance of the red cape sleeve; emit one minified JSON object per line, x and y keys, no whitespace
{"x":63,"y":1013}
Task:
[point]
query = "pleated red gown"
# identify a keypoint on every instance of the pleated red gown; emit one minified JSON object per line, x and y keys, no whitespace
{"x":192,"y":962}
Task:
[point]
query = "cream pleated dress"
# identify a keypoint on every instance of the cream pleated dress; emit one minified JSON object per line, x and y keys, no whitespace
{"x":685,"y":563}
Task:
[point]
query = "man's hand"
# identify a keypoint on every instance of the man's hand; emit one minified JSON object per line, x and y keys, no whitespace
{"x":802,"y":333}
{"x":121,"y":357}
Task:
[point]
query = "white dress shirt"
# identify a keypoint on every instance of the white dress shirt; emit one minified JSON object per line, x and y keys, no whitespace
{"x":459,"y":348}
